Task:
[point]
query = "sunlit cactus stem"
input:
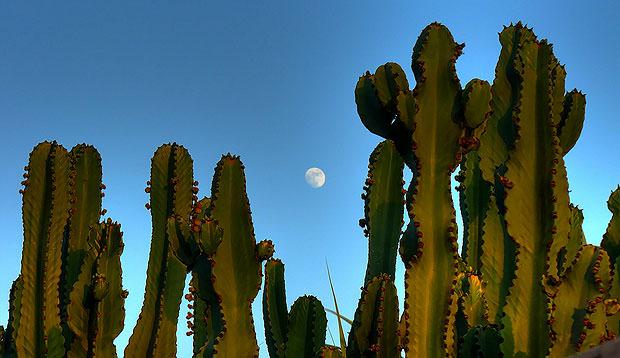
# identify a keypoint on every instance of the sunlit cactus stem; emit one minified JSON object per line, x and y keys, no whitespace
{"x":171,"y":195}
{"x":45,"y":213}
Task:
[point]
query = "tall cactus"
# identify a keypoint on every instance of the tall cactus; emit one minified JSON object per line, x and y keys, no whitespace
{"x":45,"y":213}
{"x":171,"y":193}
{"x":235,"y":268}
{"x":521,"y":234}
{"x":383,"y":209}
{"x":62,"y":202}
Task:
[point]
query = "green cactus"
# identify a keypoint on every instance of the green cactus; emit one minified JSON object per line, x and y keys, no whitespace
{"x":306,"y":328}
{"x":235,"y":266}
{"x":374,"y":329}
{"x":298,"y":333}
{"x":171,"y":194}
{"x":522,"y":236}
{"x":275,"y":311}
{"x":96,"y":313}
{"x":611,"y":243}
{"x":583,"y":283}
{"x":45,"y":213}
{"x":383,"y":209}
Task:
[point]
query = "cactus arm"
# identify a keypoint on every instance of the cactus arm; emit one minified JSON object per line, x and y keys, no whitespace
{"x":275,"y":312}
{"x":531,"y":211}
{"x":500,"y":133}
{"x":474,"y":199}
{"x":374,"y":329}
{"x":430,"y":274}
{"x":375,"y":96}
{"x":86,"y":174}
{"x":237,"y":268}
{"x":13,"y":323}
{"x":110,"y":312}
{"x":306,"y":328}
{"x":497,"y":269}
{"x":571,"y":123}
{"x":594,"y":335}
{"x":577,"y":287}
{"x":206,"y":235}
{"x":170,"y":195}
{"x":576,"y":239}
{"x":611,"y":244}
{"x":208,"y":322}
{"x":474,"y":193}
{"x":611,"y":238}
{"x":81,"y":305}
{"x":476,"y":98}
{"x":86,"y":197}
{"x":45,"y":213}
{"x":383,"y":209}
{"x":97,"y":312}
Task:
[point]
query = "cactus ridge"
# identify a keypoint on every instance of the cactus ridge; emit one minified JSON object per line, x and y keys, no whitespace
{"x":383,"y":209}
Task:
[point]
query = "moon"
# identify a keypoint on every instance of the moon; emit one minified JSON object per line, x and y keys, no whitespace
{"x":315,"y":177}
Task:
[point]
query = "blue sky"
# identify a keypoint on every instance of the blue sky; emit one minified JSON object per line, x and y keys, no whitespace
{"x":273,"y":82}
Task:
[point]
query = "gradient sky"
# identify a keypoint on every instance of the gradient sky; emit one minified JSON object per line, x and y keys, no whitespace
{"x":271,"y":81}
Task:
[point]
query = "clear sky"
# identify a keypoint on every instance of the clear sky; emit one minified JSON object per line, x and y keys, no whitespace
{"x":271,"y":81}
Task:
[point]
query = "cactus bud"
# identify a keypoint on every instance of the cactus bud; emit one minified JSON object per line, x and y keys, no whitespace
{"x":265,"y":249}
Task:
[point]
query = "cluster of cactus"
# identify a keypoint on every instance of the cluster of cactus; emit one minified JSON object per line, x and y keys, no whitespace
{"x":526,"y":283}
{"x":213,"y":238}
{"x":68,"y":299}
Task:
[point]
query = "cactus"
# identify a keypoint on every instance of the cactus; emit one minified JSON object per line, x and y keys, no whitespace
{"x":62,"y":202}
{"x":97,"y":312}
{"x":236,"y":272}
{"x":582,"y":285}
{"x":374,"y":329}
{"x":298,"y":333}
{"x":306,"y":328}
{"x":383,"y":209}
{"x":170,"y":194}
{"x":45,"y":214}
{"x":523,"y":240}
